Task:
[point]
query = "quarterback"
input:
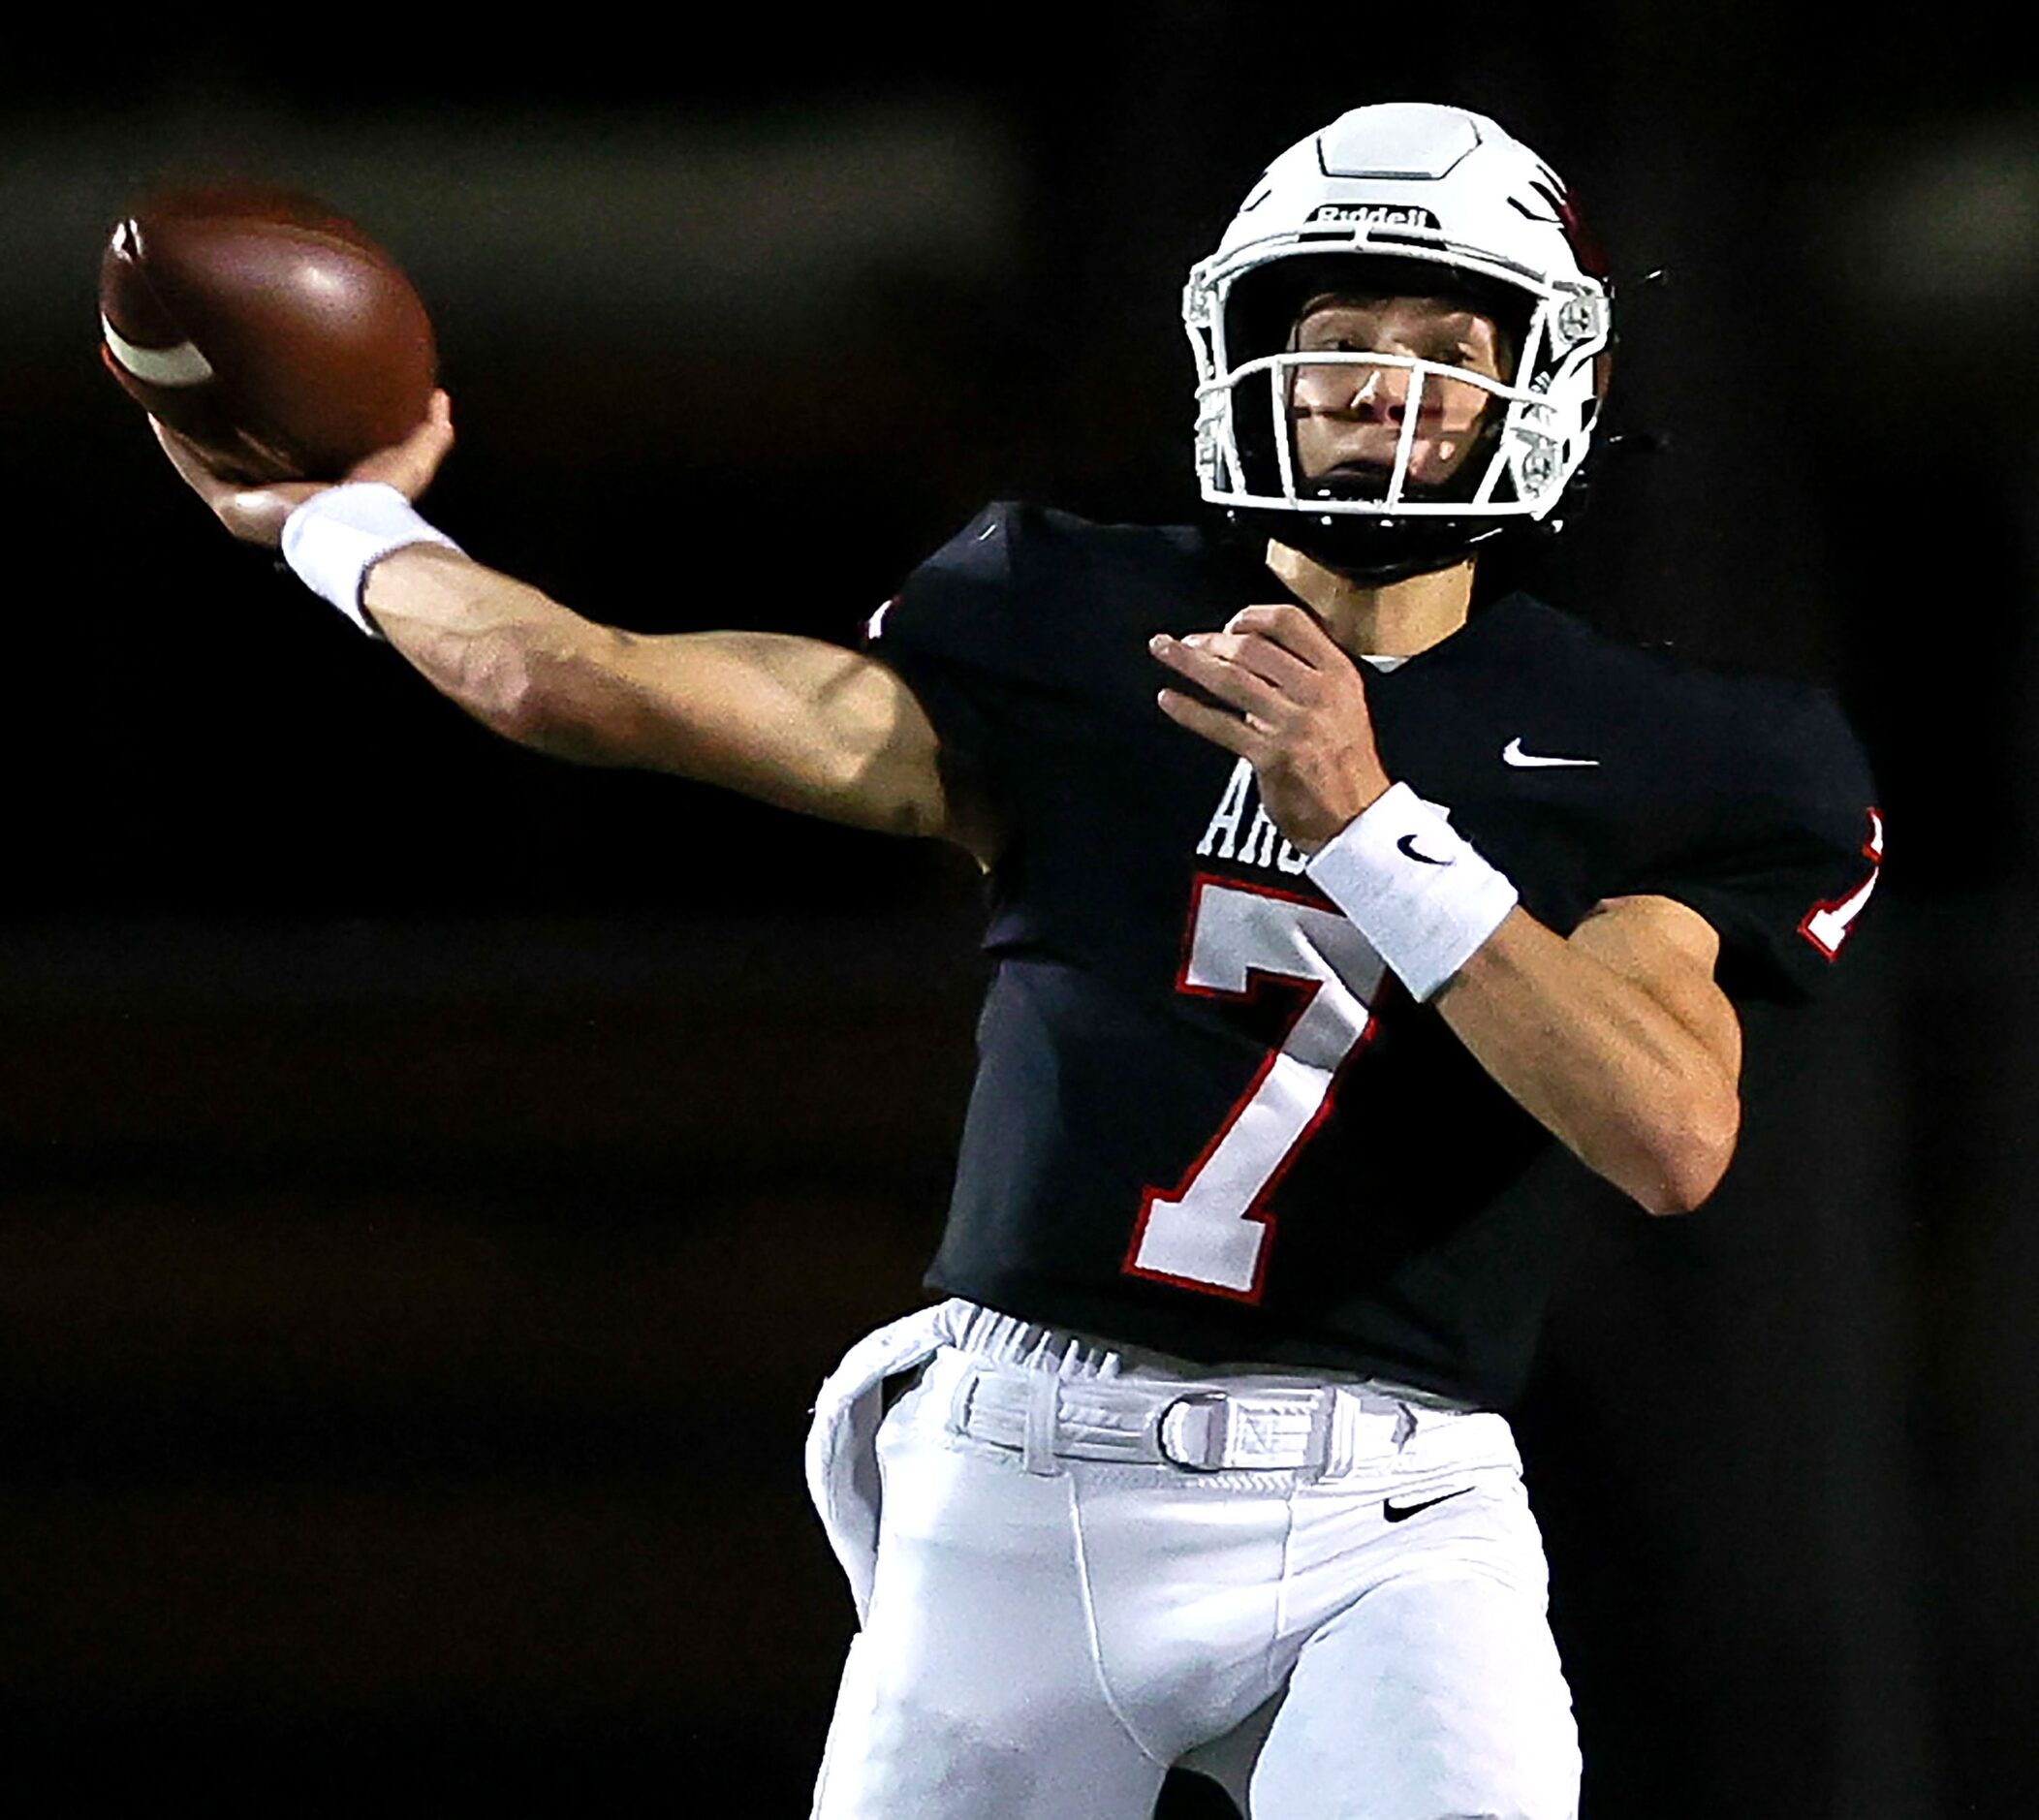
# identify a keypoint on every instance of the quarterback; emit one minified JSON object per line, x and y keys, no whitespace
{"x":1324,"y":906}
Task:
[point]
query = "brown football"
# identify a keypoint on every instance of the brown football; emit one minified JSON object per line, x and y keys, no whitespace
{"x":266,"y":327}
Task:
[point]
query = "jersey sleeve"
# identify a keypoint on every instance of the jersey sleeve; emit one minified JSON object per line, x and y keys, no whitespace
{"x":957,"y":635}
{"x":1785,"y":865}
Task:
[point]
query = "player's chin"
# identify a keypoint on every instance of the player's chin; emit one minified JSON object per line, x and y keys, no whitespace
{"x":1431,"y":467}
{"x":1355,"y":476}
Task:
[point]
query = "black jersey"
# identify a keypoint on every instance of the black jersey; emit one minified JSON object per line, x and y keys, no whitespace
{"x":1205,"y":1121}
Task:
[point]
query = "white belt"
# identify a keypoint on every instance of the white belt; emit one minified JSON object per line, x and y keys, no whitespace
{"x":1197,"y":1427}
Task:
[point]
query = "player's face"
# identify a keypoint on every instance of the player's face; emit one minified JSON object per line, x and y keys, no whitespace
{"x":1348,"y":417}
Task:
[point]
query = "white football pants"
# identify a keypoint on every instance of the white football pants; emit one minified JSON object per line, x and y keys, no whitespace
{"x":1045,"y":1635}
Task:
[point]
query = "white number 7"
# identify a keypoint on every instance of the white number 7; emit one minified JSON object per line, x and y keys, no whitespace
{"x":1211,"y":1232}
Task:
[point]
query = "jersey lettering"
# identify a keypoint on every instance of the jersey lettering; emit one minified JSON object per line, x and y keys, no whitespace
{"x":1263,"y":845}
{"x":1826,"y":925}
{"x":1213,"y":1231}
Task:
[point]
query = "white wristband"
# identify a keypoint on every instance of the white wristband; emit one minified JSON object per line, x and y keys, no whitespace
{"x":336,"y":537}
{"x":1414,"y":887}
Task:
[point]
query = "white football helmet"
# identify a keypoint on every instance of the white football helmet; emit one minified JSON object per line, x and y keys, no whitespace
{"x":1401,"y":199}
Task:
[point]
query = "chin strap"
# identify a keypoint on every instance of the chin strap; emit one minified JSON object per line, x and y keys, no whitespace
{"x":1342,"y":546}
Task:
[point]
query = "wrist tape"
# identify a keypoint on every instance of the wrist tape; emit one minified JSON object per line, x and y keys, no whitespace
{"x":1413,"y":886}
{"x":336,"y":537}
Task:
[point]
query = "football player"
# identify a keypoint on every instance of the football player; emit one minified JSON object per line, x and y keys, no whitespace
{"x":1323,"y":907}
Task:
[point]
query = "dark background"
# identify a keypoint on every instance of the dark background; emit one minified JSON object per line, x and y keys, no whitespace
{"x":436,"y":1178}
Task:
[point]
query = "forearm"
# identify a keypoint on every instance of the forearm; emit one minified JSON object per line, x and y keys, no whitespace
{"x":794,"y":722}
{"x":499,"y":649}
{"x":1645,"y":1096}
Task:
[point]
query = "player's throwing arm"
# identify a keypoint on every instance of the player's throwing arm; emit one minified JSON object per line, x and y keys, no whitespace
{"x":795,"y":722}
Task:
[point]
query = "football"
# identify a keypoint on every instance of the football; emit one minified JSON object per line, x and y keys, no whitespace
{"x":266,"y":328}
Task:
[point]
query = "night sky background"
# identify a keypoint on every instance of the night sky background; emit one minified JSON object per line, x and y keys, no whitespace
{"x":436,"y":1178}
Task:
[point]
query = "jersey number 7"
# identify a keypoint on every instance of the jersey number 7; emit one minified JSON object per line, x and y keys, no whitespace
{"x":1213,"y":1231}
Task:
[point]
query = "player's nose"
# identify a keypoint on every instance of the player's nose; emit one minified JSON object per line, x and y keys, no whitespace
{"x":1377,"y":393}
{"x":1353,"y":389}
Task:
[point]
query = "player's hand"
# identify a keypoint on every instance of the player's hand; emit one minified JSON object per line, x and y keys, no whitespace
{"x":256,"y":514}
{"x":1291,"y":702}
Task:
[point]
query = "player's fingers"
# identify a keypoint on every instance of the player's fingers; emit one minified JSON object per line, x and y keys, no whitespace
{"x":410,"y":466}
{"x":1219,"y":677}
{"x":1296,"y":629}
{"x":1255,"y":652}
{"x":1213,"y":724}
{"x":255,"y":514}
{"x":190,"y":464}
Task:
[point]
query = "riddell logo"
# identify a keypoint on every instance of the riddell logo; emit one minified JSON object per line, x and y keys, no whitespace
{"x":1375,"y":214}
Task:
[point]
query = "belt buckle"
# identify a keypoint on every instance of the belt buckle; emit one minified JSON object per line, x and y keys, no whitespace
{"x":1196,"y":1442}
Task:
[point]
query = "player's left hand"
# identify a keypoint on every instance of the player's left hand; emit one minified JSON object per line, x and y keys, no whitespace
{"x":1291,"y":702}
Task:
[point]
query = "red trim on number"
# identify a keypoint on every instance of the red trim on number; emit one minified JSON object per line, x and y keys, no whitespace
{"x":1255,"y":1211}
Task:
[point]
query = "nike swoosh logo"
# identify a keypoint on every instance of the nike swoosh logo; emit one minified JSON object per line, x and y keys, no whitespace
{"x":1513,"y":754}
{"x":1401,"y":1512}
{"x":1407,"y":844}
